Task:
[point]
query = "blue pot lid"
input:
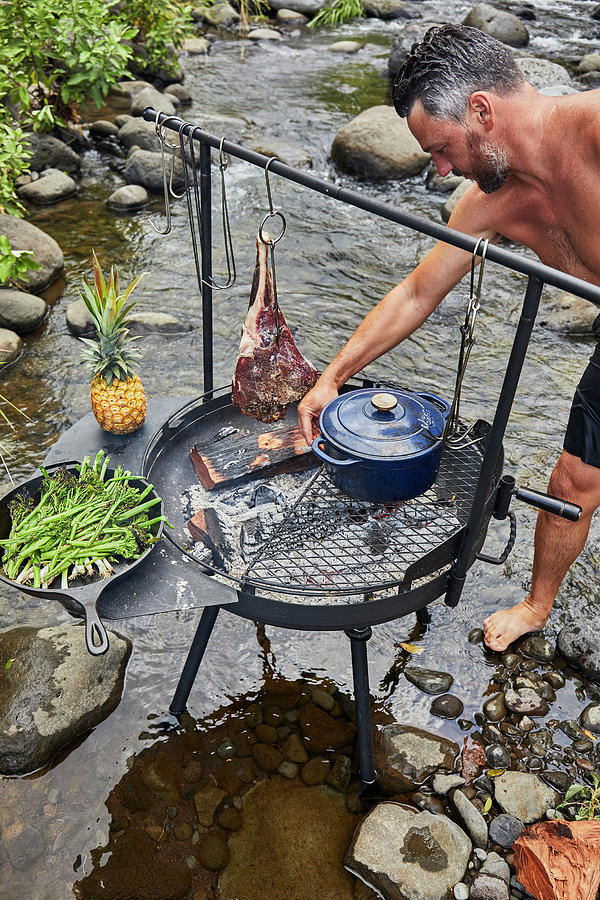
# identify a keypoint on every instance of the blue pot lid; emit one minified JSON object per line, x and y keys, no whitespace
{"x":382,"y":424}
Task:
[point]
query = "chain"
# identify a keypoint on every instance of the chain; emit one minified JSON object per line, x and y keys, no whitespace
{"x":453,"y":438}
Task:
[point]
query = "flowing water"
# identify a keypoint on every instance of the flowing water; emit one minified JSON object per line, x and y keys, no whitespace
{"x":334,"y":263}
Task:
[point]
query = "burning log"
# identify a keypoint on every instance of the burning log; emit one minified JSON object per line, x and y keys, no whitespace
{"x":206,"y":527}
{"x":559,"y":860}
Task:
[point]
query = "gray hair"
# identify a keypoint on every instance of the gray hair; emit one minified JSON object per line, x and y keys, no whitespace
{"x":448,"y":65}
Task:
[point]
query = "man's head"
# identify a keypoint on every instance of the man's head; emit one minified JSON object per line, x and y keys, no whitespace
{"x":450,"y":78}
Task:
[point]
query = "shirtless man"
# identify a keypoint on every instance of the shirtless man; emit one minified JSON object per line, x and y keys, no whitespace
{"x":535,"y":163}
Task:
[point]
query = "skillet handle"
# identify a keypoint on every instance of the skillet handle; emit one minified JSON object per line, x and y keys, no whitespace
{"x":96,"y":638}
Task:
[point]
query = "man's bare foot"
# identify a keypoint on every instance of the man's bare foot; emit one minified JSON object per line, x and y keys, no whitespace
{"x":505,"y":626}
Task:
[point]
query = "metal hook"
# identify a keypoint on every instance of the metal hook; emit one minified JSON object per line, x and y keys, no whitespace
{"x":272,"y":212}
{"x":162,"y":143}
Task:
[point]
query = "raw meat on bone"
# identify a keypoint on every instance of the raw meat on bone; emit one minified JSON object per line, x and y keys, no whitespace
{"x":269,"y":374}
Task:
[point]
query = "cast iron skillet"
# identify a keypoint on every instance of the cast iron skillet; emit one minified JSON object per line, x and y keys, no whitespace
{"x":81,"y":596}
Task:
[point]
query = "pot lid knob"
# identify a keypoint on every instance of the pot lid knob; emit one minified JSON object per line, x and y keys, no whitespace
{"x":384,"y":402}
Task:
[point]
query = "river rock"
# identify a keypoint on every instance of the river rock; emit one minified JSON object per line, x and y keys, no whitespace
{"x":138,"y":132}
{"x":414,"y":31}
{"x":128,"y":198}
{"x":103,"y":128}
{"x":49,"y":189}
{"x":23,"y":845}
{"x":264,"y":34}
{"x":567,"y":314}
{"x":345,"y":47}
{"x":474,"y":823}
{"x":448,"y":207}
{"x":428,"y":680}
{"x":408,"y":856}
{"x":145,"y":168}
{"x":494,"y":709}
{"x":160,"y":776}
{"x":72,"y":692}
{"x":206,"y":801}
{"x":294,"y":751}
{"x":179,"y":91}
{"x":213,"y":852}
{"x":525,"y":701}
{"x":315,"y":771}
{"x":266,"y":757}
{"x":48,"y":151}
{"x":524,"y":796}
{"x":290,"y":17}
{"x":341,"y":773}
{"x":447,"y":707}
{"x":133,"y":87}
{"x":194,"y":46}
{"x":497,"y":756}
{"x":445,"y":184}
{"x":378,"y":144}
{"x":141,"y":323}
{"x":149,"y":96}
{"x":443,"y":783}
{"x":25,"y":236}
{"x":505,"y":829}
{"x":307,"y":7}
{"x":535,"y":646}
{"x":407,"y":756}
{"x":489,"y":887}
{"x":11,"y":345}
{"x":20,"y":311}
{"x":222,"y":14}
{"x":498,"y":24}
{"x":578,"y":643}
{"x":388,"y":10}
{"x":590,"y":718}
{"x":291,"y":154}
{"x":589,"y":63}
{"x":322,"y":732}
{"x":542,"y":73}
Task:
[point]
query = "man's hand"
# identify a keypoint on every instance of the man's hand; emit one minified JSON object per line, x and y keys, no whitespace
{"x":310,"y":408}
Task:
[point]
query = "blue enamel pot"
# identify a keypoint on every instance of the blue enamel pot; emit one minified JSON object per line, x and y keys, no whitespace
{"x":382,"y":446}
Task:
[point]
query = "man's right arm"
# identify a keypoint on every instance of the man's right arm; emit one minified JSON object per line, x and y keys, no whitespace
{"x":394,"y":318}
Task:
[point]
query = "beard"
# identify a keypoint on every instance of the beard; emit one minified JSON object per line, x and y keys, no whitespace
{"x":489,"y":164}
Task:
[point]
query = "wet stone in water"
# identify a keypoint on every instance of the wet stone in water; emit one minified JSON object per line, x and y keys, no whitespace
{"x":475,"y":636}
{"x":253,"y":715}
{"x":447,"y":706}
{"x":429,"y":680}
{"x":535,"y":764}
{"x":294,"y":751}
{"x":555,"y":679}
{"x":315,"y":771}
{"x":266,"y":757}
{"x":537,"y":647}
{"x":230,"y":819}
{"x":583,"y":746}
{"x":497,"y":756}
{"x":226,"y":750}
{"x":511,"y":660}
{"x":183,"y":831}
{"x":266,"y":734}
{"x":340,"y":774}
{"x":288,"y":769}
{"x":590,"y":718}
{"x":322,"y":698}
{"x":494,"y":709}
{"x":212,"y":852}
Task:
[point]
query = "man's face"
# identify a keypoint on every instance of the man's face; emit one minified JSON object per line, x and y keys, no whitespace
{"x":458,"y":148}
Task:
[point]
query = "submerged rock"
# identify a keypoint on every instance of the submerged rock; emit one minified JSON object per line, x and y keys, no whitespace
{"x":407,"y":756}
{"x":72,"y":691}
{"x":428,"y":680}
{"x":409,"y":856}
{"x":49,"y":189}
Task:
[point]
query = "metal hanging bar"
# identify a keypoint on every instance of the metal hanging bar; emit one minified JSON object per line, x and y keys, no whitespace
{"x":506,"y":258}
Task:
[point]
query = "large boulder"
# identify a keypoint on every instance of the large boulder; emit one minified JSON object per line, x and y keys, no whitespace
{"x":408,"y":35}
{"x":48,"y":152}
{"x":25,"y":236}
{"x":137,"y":132}
{"x":503,"y":26}
{"x":389,"y":9}
{"x":11,"y":345}
{"x":567,"y":314}
{"x":542,"y":73}
{"x":145,"y":168}
{"x":407,"y":855}
{"x":306,"y":7}
{"x":378,"y":144}
{"x":578,"y":643}
{"x":222,"y":14}
{"x":128,"y":198}
{"x":291,"y":154}
{"x":406,"y":756}
{"x":53,"y":691}
{"x":20,"y":311}
{"x":524,"y":796}
{"x":448,"y":207}
{"x":149,"y":96}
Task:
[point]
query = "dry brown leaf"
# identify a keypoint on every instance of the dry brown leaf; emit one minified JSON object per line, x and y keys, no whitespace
{"x":411,"y":648}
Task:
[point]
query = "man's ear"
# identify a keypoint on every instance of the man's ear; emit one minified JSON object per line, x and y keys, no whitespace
{"x":480,"y":110}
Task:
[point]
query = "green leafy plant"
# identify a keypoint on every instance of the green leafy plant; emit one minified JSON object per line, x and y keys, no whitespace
{"x":14,"y":161}
{"x":588,"y":799}
{"x":160,"y":25}
{"x":15,"y":264}
{"x":339,"y":12}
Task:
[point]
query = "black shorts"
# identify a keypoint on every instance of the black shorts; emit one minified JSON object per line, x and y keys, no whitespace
{"x":582,"y":437}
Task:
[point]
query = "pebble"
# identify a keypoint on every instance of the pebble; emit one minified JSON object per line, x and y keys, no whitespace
{"x":505,"y":829}
{"x":227,"y":749}
{"x":590,"y":718}
{"x":53,"y":796}
{"x":213,"y":852}
{"x":555,"y":679}
{"x":172,"y":811}
{"x":480,"y":853}
{"x":534,"y":764}
{"x":537,"y":648}
{"x":460,"y":891}
{"x":322,"y":698}
{"x":511,"y":660}
{"x":429,"y":680}
{"x":191,"y":862}
{"x":266,"y":757}
{"x":193,"y":772}
{"x":497,"y":756}
{"x":266,"y":734}
{"x":494,"y":709}
{"x":183,"y":831}
{"x":288,"y":769}
{"x":340,"y":774}
{"x":475,"y":636}
{"x":254,"y":715}
{"x":230,"y":819}
{"x":315,"y":771}
{"x":447,"y":706}
{"x":274,"y":716}
{"x":294,"y":750}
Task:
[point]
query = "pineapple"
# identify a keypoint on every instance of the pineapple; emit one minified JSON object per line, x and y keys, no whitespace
{"x":118,"y":399}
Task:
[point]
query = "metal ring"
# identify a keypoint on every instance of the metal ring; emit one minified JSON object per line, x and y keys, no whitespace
{"x":223,"y":157}
{"x":271,"y":215}
{"x":158,"y":126}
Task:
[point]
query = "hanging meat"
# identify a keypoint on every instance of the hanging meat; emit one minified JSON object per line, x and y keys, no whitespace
{"x":270,"y":372}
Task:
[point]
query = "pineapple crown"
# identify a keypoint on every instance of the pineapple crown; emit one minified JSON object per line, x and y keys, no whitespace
{"x":110,"y":356}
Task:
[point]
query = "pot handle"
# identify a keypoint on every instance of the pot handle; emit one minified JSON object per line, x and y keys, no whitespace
{"x":329,"y":459}
{"x":437,"y":401}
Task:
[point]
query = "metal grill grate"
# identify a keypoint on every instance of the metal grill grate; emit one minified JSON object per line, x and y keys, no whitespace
{"x":330,"y":542}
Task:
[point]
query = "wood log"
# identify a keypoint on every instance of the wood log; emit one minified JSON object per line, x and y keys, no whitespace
{"x":559,"y":860}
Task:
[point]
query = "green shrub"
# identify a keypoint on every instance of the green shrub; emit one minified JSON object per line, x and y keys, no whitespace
{"x":339,"y":12}
{"x":160,"y":25}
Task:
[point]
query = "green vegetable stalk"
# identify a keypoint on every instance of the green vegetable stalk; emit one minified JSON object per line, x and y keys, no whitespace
{"x":81,"y":522}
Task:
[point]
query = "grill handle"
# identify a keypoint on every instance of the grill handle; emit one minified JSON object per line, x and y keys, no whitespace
{"x":548,"y":503}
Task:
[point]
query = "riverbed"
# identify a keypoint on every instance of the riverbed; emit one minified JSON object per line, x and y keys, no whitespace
{"x":333,"y":264}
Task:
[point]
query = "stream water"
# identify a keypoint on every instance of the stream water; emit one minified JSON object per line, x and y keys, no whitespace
{"x":334,"y":263}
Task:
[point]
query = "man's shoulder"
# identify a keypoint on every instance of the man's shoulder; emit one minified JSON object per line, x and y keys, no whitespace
{"x":478,"y":213}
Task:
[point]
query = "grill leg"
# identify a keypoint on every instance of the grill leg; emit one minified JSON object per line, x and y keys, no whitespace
{"x":360,"y":673}
{"x":423,"y":616}
{"x":194,"y":658}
